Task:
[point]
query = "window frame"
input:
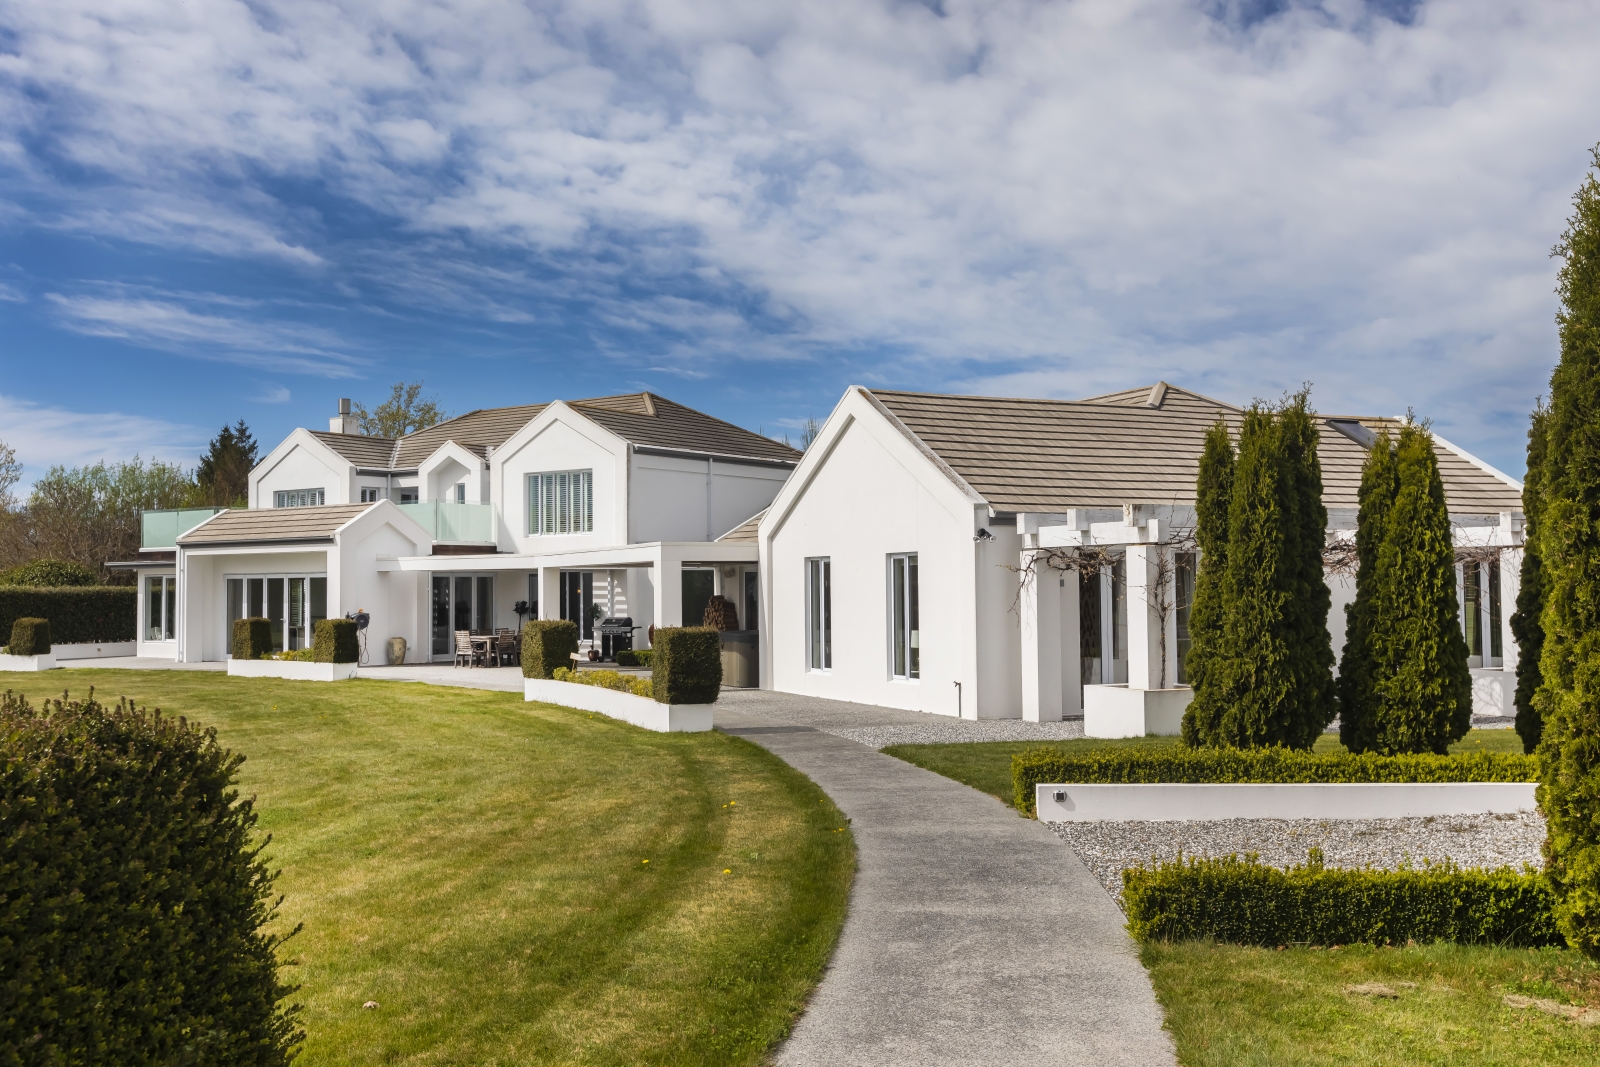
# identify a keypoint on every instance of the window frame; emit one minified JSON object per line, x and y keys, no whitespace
{"x":819,"y":602}
{"x":553,"y":508}
{"x":299,"y":498}
{"x":904,"y":617}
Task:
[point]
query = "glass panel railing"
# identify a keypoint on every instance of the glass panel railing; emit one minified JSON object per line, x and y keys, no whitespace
{"x":161,"y":527}
{"x":446,"y":521}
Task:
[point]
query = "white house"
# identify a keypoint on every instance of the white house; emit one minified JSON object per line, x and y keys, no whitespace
{"x":617,"y":503}
{"x":927,"y":553}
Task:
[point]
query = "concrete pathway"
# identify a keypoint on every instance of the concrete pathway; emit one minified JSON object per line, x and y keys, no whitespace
{"x":974,"y":935}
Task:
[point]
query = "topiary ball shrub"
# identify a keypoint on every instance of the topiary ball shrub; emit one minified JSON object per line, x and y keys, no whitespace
{"x":252,"y":638}
{"x":136,"y":897}
{"x":335,"y":641}
{"x":29,"y":637}
{"x":546,"y":645}
{"x":50,"y":574}
{"x":687,"y":665}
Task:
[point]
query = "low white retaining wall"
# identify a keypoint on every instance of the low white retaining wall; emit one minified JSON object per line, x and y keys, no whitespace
{"x":640,"y":711}
{"x":1118,"y":711}
{"x":46,"y":662}
{"x":295,"y":670}
{"x":91,"y":651}
{"x":1177,"y":802}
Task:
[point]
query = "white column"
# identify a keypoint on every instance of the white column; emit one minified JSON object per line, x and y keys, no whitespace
{"x":668,"y":581}
{"x":1040,"y":606}
{"x":1071,"y":645}
{"x":1145,"y":624}
{"x":549,"y":592}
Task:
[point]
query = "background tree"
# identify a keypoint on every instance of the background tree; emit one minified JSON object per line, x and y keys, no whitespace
{"x":1357,"y":696}
{"x":1213,"y":490}
{"x":1525,"y":625}
{"x":404,"y":412}
{"x":1421,"y":684}
{"x":1568,"y":537}
{"x":1270,"y":681}
{"x":223,"y":477}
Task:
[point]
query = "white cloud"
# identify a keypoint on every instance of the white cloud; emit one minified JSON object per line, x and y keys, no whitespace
{"x":44,"y":436}
{"x":273,"y":394}
{"x":1051,"y":196}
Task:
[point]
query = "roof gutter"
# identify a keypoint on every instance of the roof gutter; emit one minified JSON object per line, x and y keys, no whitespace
{"x":720,"y":457}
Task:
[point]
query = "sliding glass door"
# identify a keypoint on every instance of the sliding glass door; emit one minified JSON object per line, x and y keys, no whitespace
{"x":292,"y":603}
{"x":459,"y":602}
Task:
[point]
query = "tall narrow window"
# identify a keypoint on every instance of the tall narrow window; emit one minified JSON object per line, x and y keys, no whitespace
{"x":1183,"y":583}
{"x":819,"y":614}
{"x":904,"y":637}
{"x":560,"y":502}
{"x":1496,"y":652}
{"x":1472,"y":612}
{"x":1089,"y":643}
{"x":1119,"y":621}
{"x":160,"y":608}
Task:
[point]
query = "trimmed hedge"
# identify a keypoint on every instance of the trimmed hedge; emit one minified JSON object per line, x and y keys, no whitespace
{"x":687,"y":666}
{"x":1049,"y":766}
{"x":51,"y":574}
{"x":29,"y":637}
{"x":546,"y":645}
{"x":252,"y":638}
{"x":622,"y":683}
{"x":637,"y":657}
{"x":136,"y":898}
{"x":78,"y":616}
{"x":1245,"y":902}
{"x":335,"y":641}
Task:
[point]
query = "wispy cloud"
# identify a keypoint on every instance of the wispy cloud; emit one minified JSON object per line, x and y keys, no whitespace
{"x":171,"y":323}
{"x":44,"y":436}
{"x":273,"y":394}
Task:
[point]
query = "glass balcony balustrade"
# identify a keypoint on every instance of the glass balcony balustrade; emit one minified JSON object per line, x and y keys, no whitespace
{"x":161,"y":527}
{"x":448,"y":521}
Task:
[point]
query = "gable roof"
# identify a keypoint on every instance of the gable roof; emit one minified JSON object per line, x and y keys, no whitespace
{"x":244,"y":525}
{"x":1051,"y":455}
{"x":746,"y":531}
{"x":640,"y":418}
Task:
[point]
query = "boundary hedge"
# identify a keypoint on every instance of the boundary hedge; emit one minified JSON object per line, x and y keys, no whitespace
{"x":79,"y":615}
{"x":1245,"y":902}
{"x":1049,"y":766}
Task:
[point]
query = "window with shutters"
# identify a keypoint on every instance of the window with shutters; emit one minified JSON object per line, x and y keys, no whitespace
{"x":561,"y":502}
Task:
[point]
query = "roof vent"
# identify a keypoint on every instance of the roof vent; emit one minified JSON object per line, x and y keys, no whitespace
{"x":1354,"y":430}
{"x":1158,"y":395}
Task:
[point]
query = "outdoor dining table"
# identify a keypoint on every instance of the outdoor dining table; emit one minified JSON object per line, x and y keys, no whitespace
{"x":489,"y":643}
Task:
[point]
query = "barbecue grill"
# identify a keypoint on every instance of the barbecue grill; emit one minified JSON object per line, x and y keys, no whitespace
{"x":616,"y":635}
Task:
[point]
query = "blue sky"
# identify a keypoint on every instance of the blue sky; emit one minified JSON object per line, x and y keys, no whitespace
{"x":218,"y":210}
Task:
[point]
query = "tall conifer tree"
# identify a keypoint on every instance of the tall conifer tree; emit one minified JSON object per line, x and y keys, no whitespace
{"x":1525,"y":625}
{"x":1312,"y":702}
{"x":1357,"y":696}
{"x":1213,"y":491}
{"x":1568,"y":537}
{"x":1422,"y":688}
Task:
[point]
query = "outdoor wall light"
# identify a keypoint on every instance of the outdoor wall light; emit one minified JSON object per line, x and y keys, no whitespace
{"x":1061,"y":796}
{"x":983,"y":535}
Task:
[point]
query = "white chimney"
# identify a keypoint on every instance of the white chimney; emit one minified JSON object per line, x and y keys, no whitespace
{"x":344,"y":422}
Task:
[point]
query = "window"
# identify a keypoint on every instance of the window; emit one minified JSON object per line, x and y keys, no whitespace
{"x":1103,"y":624}
{"x":293,"y":604}
{"x":461,"y":492}
{"x":752,"y":600}
{"x":297,"y":498}
{"x":560,"y":503}
{"x":1481,"y":614}
{"x":819,"y":614}
{"x":408,"y":496}
{"x":1184,"y":581}
{"x":370,"y":494}
{"x":905,"y":639}
{"x":160,"y":608}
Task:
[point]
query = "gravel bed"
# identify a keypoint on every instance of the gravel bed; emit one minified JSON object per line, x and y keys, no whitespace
{"x":956,"y":731}
{"x":1470,"y":840}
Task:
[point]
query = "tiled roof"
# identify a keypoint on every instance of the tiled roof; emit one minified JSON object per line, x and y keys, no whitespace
{"x":642,"y":418}
{"x":1051,"y":455}
{"x":273,"y":524}
{"x":746,"y":530}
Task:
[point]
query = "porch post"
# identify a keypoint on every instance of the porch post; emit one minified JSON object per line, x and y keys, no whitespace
{"x":1040,"y":607}
{"x":549,"y":592}
{"x":668,"y":582}
{"x":1145,"y":624}
{"x":1071,"y":644}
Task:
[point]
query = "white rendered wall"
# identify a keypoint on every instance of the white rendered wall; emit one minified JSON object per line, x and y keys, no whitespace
{"x":302,"y":466}
{"x":555,"y":444}
{"x":999,"y":629}
{"x":668,"y":500}
{"x":389,"y":597}
{"x":204,"y":590}
{"x":863,"y":505}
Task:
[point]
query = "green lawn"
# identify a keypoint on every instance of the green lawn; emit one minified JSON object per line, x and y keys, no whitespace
{"x":986,"y":765}
{"x":477,"y":866}
{"x":1231,"y":1006}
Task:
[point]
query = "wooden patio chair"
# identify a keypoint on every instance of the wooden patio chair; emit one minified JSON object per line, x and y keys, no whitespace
{"x":464,"y":649}
{"x":505,"y":645}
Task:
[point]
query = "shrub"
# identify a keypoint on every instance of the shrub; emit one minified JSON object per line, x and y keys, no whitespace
{"x":546,"y":645}
{"x":136,"y":896}
{"x":687,"y":665}
{"x":252,"y":638}
{"x":1245,"y":902}
{"x":83,"y":615}
{"x":335,"y":641}
{"x":1526,"y":626}
{"x":298,"y":655}
{"x":627,"y":658}
{"x":1208,"y":612}
{"x":29,"y":637}
{"x":50,"y":574}
{"x":1047,"y":766}
{"x":622,"y":683}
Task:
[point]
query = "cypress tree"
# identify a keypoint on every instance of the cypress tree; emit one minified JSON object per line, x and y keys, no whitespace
{"x":1568,"y":537}
{"x":1357,"y":698}
{"x":1269,"y":680}
{"x":1420,"y":681}
{"x":1213,"y":490}
{"x":1525,"y":625}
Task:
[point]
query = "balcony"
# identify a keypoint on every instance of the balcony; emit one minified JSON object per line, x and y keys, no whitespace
{"x":161,"y":528}
{"x":451,"y":522}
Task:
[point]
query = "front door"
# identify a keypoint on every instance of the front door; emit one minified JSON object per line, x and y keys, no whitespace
{"x":697,"y":588}
{"x":577,"y":600}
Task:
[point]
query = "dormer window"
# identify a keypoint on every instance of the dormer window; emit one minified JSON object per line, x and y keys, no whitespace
{"x":298,"y":498}
{"x":461,"y":492}
{"x":560,"y":502}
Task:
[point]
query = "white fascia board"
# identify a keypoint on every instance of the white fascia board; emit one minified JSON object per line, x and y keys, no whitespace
{"x":1480,"y":464}
{"x":386,"y":512}
{"x":448,"y":451}
{"x":273,"y":549}
{"x":556,"y":411}
{"x":300,"y":437}
{"x":858,"y":405}
{"x":595,"y":559}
